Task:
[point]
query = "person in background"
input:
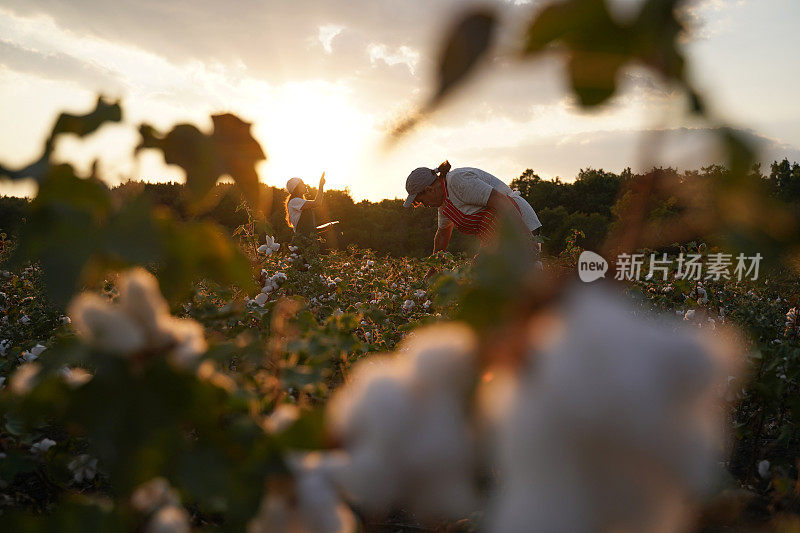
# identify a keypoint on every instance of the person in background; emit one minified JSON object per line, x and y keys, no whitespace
{"x":299,"y":211}
{"x":469,"y":200}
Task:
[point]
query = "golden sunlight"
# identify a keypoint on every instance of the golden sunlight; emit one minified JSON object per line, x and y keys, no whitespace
{"x":310,"y":128}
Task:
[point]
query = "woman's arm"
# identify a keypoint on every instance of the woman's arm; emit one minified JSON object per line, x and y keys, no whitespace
{"x":317,"y":201}
{"x":442,"y":238}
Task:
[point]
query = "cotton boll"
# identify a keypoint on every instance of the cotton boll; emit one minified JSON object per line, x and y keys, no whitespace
{"x":611,"y":428}
{"x":140,"y":298}
{"x":74,"y":377}
{"x":763,"y":469}
{"x":24,"y":377}
{"x":319,"y":505}
{"x":106,"y":327}
{"x":83,"y":468}
{"x":443,"y":357}
{"x":153,"y":495}
{"x":282,"y":418}
{"x":187,"y":339}
{"x":37,"y":350}
{"x":311,"y":505}
{"x":170,"y":519}
{"x":261,"y":299}
{"x":372,"y":418}
{"x":404,"y":423}
{"x":42,"y":446}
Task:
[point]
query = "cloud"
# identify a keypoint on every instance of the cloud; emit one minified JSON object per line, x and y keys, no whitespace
{"x":402,"y":55}
{"x":58,"y":66}
{"x":327,"y":33}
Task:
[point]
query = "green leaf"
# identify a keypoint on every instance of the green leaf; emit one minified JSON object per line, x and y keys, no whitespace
{"x":82,"y":125}
{"x":468,"y":41}
{"x":230,"y":150}
{"x":239,"y":153}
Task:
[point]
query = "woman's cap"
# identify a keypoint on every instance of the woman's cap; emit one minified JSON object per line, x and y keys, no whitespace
{"x":416,"y":182}
{"x":292,"y":184}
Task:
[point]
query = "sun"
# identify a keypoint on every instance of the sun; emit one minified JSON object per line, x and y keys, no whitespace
{"x":308,"y":128}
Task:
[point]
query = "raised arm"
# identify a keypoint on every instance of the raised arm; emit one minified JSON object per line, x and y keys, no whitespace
{"x":317,"y":201}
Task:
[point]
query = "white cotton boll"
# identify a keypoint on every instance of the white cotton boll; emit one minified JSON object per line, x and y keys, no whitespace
{"x":261,"y":299}
{"x":408,"y":304}
{"x":404,"y":424}
{"x":153,"y":495}
{"x":443,"y":357}
{"x":140,"y":298}
{"x":24,"y":320}
{"x":75,"y":377}
{"x":372,"y":416}
{"x":24,"y":378}
{"x":613,"y":427}
{"x":187,"y":339}
{"x":169,"y":519}
{"x":83,"y":468}
{"x":37,"y":350}
{"x":5,"y":344}
{"x":763,"y":469}
{"x":263,"y":249}
{"x":337,"y":280}
{"x":313,"y":507}
{"x":419,"y":293}
{"x":282,"y":418}
{"x":274,"y":516}
{"x":42,"y":446}
{"x":319,"y":506}
{"x":104,"y":326}
{"x":689,"y":315}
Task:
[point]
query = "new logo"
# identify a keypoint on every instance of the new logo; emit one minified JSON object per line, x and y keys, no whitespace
{"x":591,"y":266}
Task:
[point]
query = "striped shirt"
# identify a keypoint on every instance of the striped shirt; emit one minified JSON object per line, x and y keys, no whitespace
{"x":469,"y":190}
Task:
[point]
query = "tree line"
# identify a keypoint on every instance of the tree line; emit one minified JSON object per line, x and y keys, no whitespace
{"x":590,"y":204}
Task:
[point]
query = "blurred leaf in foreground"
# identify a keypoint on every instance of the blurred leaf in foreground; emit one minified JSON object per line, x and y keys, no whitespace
{"x":229,"y":150}
{"x":598,"y":46}
{"x":80,"y":125}
{"x":76,"y":235}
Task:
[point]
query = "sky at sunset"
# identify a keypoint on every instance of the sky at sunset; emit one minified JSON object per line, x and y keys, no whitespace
{"x":322,"y":80}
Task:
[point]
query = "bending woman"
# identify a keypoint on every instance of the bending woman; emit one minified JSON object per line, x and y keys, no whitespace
{"x":299,"y":211}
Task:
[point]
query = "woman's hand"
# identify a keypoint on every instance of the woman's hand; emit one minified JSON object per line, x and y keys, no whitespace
{"x":322,"y":181}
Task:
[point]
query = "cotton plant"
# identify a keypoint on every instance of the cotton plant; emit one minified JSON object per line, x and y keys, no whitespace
{"x":269,"y":247}
{"x":157,"y":499}
{"x":140,"y":322}
{"x":271,"y":284}
{"x":43,"y":446}
{"x":33,"y":354}
{"x":314,"y":506}
{"x":792,"y":325}
{"x":613,"y":427}
{"x":83,"y":468}
{"x":403,"y":422}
